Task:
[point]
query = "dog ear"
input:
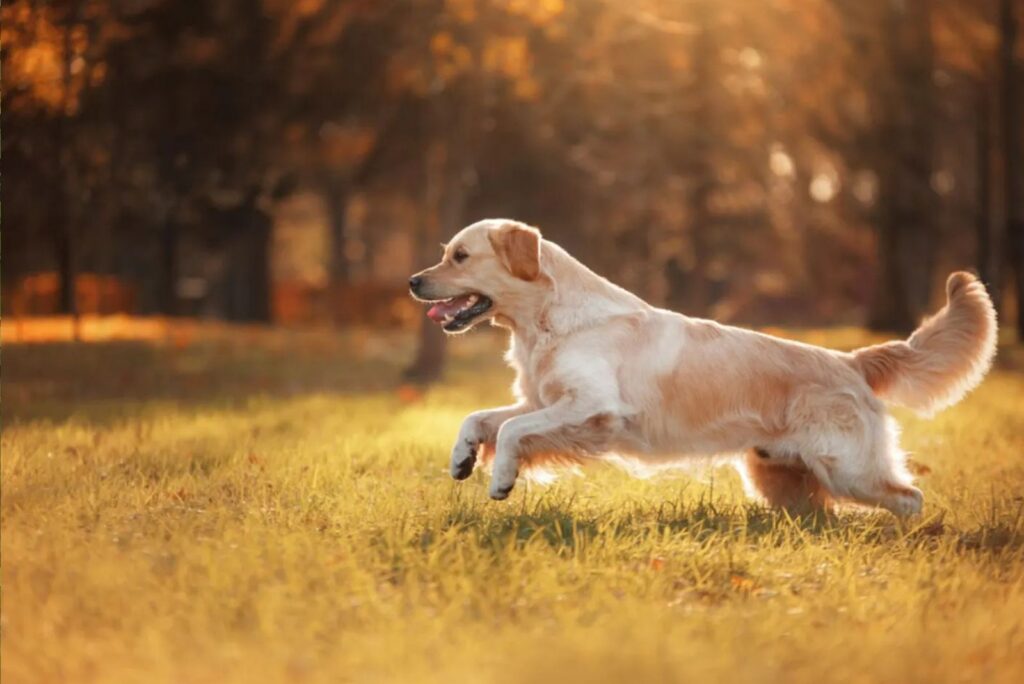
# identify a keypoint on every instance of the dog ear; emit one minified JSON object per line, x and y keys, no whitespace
{"x":518,"y":248}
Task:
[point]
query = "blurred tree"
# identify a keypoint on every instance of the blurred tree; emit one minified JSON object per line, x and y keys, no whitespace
{"x":906,"y":109}
{"x":989,"y":257}
{"x":1011,"y":90}
{"x":746,"y":163}
{"x":49,"y":58}
{"x":472,"y":59}
{"x":893,"y":46}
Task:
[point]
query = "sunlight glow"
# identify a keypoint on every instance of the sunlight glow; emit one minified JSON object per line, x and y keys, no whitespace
{"x":750,"y":58}
{"x":781,"y":163}
{"x":824,"y":187}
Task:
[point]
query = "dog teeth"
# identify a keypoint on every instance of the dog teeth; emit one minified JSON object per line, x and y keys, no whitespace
{"x":472,"y":300}
{"x":449,"y":318}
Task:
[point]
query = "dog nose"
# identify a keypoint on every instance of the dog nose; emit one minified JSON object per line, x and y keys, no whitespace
{"x":415,"y":282}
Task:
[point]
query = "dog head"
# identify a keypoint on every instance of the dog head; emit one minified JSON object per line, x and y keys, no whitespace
{"x":487,"y":271}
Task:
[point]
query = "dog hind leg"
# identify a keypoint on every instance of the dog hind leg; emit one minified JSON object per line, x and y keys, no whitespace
{"x":784,"y":485}
{"x":868,"y":467}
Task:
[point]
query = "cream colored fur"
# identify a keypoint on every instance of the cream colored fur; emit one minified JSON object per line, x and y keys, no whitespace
{"x":603,"y":374}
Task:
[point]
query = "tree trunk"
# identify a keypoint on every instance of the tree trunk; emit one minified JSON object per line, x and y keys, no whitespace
{"x":1013,"y":142}
{"x":428,"y":365}
{"x":64,"y":245}
{"x":445,"y":199}
{"x":336,"y":193}
{"x":889,"y":309}
{"x":167,"y":296}
{"x":906,"y":231}
{"x":66,"y":301}
{"x":262,"y":284}
{"x":254,"y":235}
{"x":987,"y":233}
{"x":689,"y":283}
{"x":64,"y":253}
{"x":247,"y":279}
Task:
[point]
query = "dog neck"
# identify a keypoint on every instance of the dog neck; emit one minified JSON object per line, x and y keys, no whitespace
{"x":570,"y":297}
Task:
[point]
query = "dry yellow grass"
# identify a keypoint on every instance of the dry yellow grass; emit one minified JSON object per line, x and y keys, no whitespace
{"x":270,"y":508}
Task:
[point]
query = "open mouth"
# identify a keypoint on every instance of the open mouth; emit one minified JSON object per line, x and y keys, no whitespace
{"x":457,"y":313}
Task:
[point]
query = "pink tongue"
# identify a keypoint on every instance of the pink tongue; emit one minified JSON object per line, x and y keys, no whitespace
{"x":442,"y":309}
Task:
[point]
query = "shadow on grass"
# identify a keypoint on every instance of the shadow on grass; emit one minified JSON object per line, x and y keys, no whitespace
{"x":107,"y":381}
{"x":564,"y":528}
{"x":558,"y":524}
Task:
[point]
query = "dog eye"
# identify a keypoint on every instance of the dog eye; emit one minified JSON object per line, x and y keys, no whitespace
{"x":460,"y":256}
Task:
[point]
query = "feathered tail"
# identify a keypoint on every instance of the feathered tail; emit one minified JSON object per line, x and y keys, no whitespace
{"x":945,"y":358}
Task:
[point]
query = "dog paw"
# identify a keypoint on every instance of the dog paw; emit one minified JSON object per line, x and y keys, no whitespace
{"x":463,"y":459}
{"x":501,"y":493}
{"x":911,"y":503}
{"x":502,"y":482}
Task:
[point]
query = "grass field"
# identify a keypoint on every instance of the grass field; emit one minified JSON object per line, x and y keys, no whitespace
{"x":270,"y":506}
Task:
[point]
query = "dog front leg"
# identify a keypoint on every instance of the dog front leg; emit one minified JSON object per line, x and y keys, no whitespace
{"x":479,"y":428}
{"x":561,"y":427}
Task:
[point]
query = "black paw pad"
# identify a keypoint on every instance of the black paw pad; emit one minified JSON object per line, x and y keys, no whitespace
{"x":465,"y":468}
{"x":502,"y":493}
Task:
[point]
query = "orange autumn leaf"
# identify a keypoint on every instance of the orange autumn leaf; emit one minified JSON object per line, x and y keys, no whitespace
{"x":408,"y":394}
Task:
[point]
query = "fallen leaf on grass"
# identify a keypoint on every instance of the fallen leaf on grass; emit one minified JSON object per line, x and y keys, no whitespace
{"x":408,"y":394}
{"x":918,"y":468}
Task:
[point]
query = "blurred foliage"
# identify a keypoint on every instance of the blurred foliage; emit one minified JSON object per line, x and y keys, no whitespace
{"x":781,"y":160}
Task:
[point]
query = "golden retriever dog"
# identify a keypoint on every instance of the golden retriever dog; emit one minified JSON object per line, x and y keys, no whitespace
{"x":603,"y":374}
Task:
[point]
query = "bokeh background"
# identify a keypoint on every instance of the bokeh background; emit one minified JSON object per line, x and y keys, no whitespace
{"x":291,"y":162}
{"x":224,"y":460}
